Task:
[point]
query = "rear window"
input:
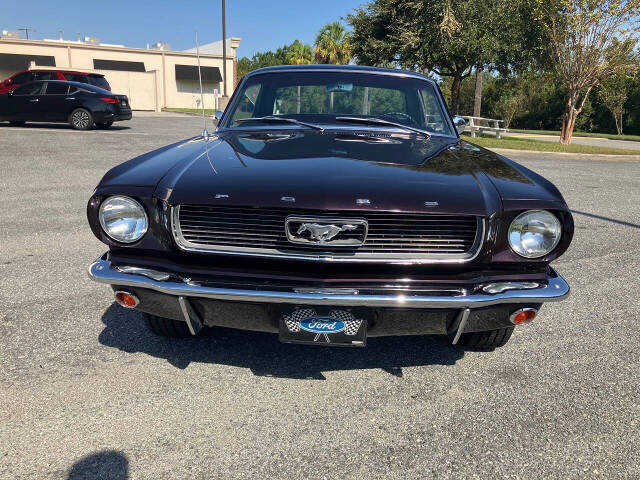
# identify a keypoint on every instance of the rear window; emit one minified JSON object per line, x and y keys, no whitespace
{"x":74,"y":77}
{"x":99,"y":82}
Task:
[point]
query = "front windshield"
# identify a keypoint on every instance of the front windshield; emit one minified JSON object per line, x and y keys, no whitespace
{"x":325,"y":98}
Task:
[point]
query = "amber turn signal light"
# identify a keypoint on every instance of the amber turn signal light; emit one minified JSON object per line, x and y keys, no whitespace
{"x":523,"y":316}
{"x":126,"y":299}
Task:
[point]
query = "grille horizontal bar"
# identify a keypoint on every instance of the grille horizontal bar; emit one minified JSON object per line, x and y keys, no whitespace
{"x":391,"y":236}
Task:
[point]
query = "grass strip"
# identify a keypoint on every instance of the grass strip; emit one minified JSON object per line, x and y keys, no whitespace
{"x":542,"y":146}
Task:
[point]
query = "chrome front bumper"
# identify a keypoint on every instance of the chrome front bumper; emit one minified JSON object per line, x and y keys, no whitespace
{"x":555,"y":288}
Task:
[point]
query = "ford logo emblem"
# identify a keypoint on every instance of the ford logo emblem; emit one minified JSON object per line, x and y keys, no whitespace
{"x":322,"y":325}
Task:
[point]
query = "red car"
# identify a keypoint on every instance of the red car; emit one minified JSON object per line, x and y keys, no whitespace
{"x":26,"y":76}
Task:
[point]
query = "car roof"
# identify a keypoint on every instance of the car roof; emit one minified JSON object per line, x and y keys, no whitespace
{"x":77,"y":72}
{"x":340,"y":68}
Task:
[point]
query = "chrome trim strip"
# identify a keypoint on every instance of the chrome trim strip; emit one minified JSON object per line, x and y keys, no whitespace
{"x":190,"y":315}
{"x":147,"y":272}
{"x":462,"y":322}
{"x":328,"y":291}
{"x":555,"y":290}
{"x":406,"y":259}
{"x":499,"y":287}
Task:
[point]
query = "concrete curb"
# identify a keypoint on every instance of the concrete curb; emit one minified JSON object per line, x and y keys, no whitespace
{"x":581,"y":156}
{"x":192,"y":114}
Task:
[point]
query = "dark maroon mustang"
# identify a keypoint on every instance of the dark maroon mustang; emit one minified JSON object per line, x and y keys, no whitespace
{"x":332,"y":204}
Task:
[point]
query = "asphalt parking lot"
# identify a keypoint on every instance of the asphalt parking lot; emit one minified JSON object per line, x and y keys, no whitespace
{"x":86,"y":392}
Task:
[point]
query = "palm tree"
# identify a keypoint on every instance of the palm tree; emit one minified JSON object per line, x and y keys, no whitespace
{"x":333,"y":44}
{"x":299,"y":54}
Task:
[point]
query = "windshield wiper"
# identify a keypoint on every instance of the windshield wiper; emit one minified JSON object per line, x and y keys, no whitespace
{"x":273,"y":118}
{"x":379,"y":121}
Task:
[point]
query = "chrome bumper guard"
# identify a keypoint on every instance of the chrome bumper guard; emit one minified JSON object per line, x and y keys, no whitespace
{"x":554,"y":289}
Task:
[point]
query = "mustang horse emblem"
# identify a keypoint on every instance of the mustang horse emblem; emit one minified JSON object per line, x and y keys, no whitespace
{"x":324,"y":233}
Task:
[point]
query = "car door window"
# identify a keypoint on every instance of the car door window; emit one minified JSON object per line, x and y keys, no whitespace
{"x":54,"y":88}
{"x":247,"y":105}
{"x":29,"y":89}
{"x":434,"y":118}
{"x":23,"y":78}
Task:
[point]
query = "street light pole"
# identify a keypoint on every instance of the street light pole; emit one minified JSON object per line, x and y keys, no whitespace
{"x":224,"y":53}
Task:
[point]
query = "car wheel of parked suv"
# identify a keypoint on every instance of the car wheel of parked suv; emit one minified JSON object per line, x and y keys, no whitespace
{"x":104,"y":125}
{"x":81,"y":119}
{"x":166,"y":327}
{"x":486,"y":340}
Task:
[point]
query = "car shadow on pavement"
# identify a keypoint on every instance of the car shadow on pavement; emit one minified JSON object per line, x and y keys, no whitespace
{"x":63,"y":126}
{"x":264,"y":355}
{"x":608,"y":219}
{"x":104,"y":465}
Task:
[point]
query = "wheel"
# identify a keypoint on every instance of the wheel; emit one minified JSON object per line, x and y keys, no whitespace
{"x":486,"y":340}
{"x":166,"y":327}
{"x":16,"y":123}
{"x":104,"y":125}
{"x":81,"y":119}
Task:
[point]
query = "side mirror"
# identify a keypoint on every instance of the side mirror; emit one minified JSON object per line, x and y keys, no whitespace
{"x":460,"y":124}
{"x":217,"y":116}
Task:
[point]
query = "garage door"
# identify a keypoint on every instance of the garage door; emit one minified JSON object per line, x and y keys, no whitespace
{"x":140,"y":87}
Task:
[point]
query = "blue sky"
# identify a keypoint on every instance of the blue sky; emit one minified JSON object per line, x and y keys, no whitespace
{"x":263,"y":24}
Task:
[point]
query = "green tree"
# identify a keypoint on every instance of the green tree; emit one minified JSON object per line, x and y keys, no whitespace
{"x":447,"y":38}
{"x":244,"y":66}
{"x":299,"y":54}
{"x":589,"y":40}
{"x":270,"y":58}
{"x":333,"y":44}
{"x":613,"y":93}
{"x":294,"y":54}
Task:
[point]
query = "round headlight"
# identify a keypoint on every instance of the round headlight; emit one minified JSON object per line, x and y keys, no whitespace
{"x":123,"y":219}
{"x":534,"y":233}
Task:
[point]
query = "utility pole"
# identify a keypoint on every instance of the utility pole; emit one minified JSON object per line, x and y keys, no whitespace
{"x":26,"y":31}
{"x":477,"y":98}
{"x":225,"y":97}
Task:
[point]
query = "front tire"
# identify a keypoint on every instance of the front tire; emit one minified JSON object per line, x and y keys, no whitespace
{"x":81,"y":119}
{"x":166,"y":327}
{"x":486,"y":340}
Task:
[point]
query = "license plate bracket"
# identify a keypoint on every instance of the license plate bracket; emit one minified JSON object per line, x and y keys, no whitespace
{"x":333,"y":327}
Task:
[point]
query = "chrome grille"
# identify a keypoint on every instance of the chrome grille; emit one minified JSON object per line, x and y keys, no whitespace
{"x":391,"y":236}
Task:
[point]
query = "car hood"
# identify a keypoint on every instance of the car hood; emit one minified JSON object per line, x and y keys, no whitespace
{"x":331,"y":170}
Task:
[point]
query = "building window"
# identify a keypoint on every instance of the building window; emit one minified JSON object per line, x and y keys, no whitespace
{"x":118,"y":65}
{"x":11,"y":63}
{"x":190,"y":73}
